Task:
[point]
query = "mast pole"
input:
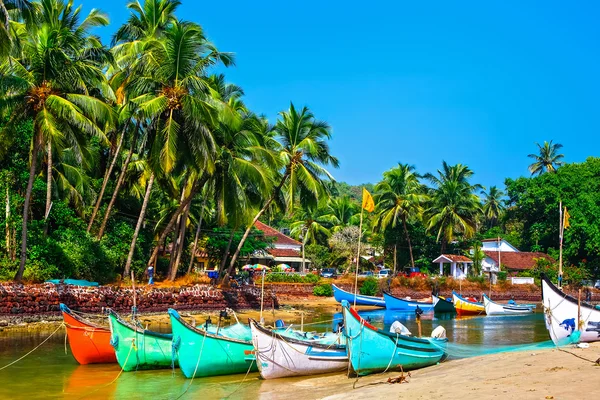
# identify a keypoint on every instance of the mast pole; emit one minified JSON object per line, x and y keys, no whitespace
{"x":561,"y":231}
{"x":358,"y":255}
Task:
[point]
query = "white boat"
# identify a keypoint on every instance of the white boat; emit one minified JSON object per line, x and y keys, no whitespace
{"x":562,"y":320}
{"x":493,"y":308}
{"x":279,"y":356}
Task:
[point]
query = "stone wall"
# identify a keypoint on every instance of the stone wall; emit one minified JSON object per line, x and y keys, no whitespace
{"x":16,"y":299}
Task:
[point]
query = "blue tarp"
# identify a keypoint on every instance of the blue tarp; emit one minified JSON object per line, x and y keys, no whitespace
{"x":76,"y":282}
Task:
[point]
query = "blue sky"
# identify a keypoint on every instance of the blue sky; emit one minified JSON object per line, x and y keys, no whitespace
{"x":471,"y":82}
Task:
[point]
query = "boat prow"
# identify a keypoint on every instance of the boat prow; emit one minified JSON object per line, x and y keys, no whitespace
{"x":396,"y":303}
{"x":493,"y":308}
{"x":465,"y":306}
{"x":442,"y":305}
{"x":361,"y":300}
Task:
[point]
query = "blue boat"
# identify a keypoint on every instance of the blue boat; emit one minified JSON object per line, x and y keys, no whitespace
{"x":373,"y":350}
{"x":396,"y":303}
{"x":361,"y":300}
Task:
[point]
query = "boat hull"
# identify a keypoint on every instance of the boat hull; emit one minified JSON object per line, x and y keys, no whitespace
{"x":466,"y":307}
{"x":279,"y":357}
{"x":372,"y":350}
{"x":562,"y":320}
{"x":441,"y":305}
{"x":398,"y":304}
{"x":361,"y":300}
{"x":493,"y":308}
{"x":89,"y":343}
{"x":140,"y":349}
{"x":205,"y":354}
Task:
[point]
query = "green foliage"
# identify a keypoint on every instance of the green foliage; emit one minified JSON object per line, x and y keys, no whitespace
{"x":571,"y":274}
{"x":502,"y":276}
{"x":370,"y":287}
{"x":319,"y":256}
{"x":276,"y":277}
{"x":324,"y":290}
{"x":476,"y":279}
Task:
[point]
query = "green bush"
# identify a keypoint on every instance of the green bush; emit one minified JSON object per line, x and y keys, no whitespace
{"x":277,"y":277}
{"x":478,"y":279}
{"x":369,"y":287}
{"x":502,"y":275}
{"x":323,"y":289}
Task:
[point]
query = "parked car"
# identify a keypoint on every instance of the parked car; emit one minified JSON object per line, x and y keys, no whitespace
{"x":365,"y":274}
{"x":597,"y":284}
{"x":329,"y":273}
{"x":384,"y":273}
{"x":413,"y":272}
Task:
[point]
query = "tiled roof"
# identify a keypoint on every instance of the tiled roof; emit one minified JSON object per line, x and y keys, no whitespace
{"x":280,"y":238}
{"x":521,"y":260}
{"x":284,"y":253}
{"x":456,"y":258}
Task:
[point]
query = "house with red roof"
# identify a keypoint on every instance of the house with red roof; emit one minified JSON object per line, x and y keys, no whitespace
{"x":283,"y":250}
{"x":459,"y":265}
{"x":498,"y":252}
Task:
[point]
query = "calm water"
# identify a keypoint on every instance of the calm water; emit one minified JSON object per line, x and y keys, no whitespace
{"x":49,"y":373}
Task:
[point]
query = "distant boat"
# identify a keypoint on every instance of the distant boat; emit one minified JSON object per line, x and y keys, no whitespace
{"x":89,"y":342}
{"x":361,"y":300}
{"x":138,"y":348}
{"x":395,"y":303}
{"x":209,"y":354}
{"x":442,"y":305}
{"x":562,"y":320}
{"x":280,"y":356}
{"x":493,"y":308}
{"x":467,"y":306}
{"x":374,"y":350}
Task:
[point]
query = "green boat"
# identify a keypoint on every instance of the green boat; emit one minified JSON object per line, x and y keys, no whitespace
{"x":138,"y":348}
{"x":209,"y":354}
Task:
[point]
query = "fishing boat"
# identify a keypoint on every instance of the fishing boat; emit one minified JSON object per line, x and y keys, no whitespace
{"x":493,"y":308}
{"x":138,"y":348}
{"x":467,"y":305}
{"x":361,"y":300}
{"x":442,"y":305}
{"x":89,"y":342}
{"x":201,"y":353}
{"x":373,"y":350}
{"x":395,"y":303}
{"x":569,"y":320}
{"x":280,"y":356}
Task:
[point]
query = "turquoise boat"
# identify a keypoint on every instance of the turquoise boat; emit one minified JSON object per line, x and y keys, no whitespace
{"x":202,"y":353}
{"x":137,"y":348}
{"x":373,"y":350}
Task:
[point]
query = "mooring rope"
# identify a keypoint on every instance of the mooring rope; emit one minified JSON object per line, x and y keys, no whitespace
{"x":243,"y":380}
{"x":34,"y":349}
{"x":195,"y":369}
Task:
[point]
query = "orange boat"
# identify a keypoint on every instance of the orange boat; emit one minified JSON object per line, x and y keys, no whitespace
{"x":90,"y":343}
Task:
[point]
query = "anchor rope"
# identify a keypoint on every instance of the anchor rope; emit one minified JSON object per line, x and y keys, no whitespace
{"x":195,"y":369}
{"x":34,"y":349}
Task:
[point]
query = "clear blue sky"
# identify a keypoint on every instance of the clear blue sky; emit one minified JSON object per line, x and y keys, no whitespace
{"x":471,"y":82}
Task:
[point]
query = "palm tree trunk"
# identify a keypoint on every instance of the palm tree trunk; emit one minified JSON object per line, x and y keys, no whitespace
{"x":226,"y":254}
{"x":412,"y":260}
{"x":198,"y":229}
{"x":107,"y":176}
{"x":182,"y":231}
{"x":32,"y":167}
{"x":258,"y":215}
{"x":49,"y":179}
{"x":395,"y":256}
{"x":176,"y":237}
{"x":113,"y":199}
{"x":7,"y":219}
{"x":138,"y":226}
{"x":197,"y":186}
{"x":6,"y":16}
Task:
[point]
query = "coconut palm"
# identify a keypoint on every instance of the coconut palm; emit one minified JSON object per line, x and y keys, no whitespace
{"x":341,"y":212}
{"x":399,"y":198}
{"x":20,"y":10}
{"x":547,"y":160}
{"x":453,"y":207}
{"x":310,"y":226}
{"x":303,"y":154}
{"x":493,"y":205}
{"x":60,"y":64}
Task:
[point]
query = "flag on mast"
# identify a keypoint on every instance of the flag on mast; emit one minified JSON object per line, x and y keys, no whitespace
{"x":367,"y":201}
{"x":566,"y":217}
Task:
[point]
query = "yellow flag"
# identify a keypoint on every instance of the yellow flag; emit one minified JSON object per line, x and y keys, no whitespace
{"x":566,"y":217}
{"x":368,"y":203}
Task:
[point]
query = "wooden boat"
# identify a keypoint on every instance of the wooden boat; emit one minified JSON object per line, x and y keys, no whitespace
{"x":442,"y":305}
{"x":208,"y":354}
{"x":563,"y":322}
{"x":467,"y":306}
{"x":361,"y":300}
{"x":395,"y":303}
{"x":493,"y":308}
{"x":280,"y":356}
{"x":89,"y":342}
{"x":372,"y":350}
{"x":138,"y":348}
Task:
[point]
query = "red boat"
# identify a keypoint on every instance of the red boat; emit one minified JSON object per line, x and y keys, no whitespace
{"x":90,"y":343}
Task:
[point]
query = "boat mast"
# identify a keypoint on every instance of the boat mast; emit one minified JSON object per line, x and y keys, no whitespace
{"x":358,"y":253}
{"x":560,"y":233}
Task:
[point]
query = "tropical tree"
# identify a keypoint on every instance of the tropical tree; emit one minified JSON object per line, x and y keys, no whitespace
{"x":399,"y":198}
{"x":22,"y":9}
{"x":341,"y":212}
{"x":310,"y":226}
{"x":60,"y":64}
{"x":453,"y":207}
{"x":547,"y":160}
{"x":493,"y":205}
{"x":302,"y":155}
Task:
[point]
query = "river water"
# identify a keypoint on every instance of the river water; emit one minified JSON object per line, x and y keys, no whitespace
{"x":49,"y":373}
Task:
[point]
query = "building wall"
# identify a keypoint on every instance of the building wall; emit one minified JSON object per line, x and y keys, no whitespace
{"x":488,"y":263}
{"x":493,"y":246}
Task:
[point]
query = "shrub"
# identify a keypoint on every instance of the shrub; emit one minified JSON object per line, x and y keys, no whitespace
{"x":323,"y":289}
{"x":502,"y":275}
{"x":289,"y":278}
{"x":369,"y":287}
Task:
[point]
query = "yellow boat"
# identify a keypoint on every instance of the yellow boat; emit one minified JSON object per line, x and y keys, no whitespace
{"x":467,"y":306}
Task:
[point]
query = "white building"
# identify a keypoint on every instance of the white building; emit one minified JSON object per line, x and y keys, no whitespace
{"x":459,"y":265}
{"x":500,"y":252}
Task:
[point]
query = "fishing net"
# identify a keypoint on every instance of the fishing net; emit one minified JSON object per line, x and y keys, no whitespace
{"x":461,"y":350}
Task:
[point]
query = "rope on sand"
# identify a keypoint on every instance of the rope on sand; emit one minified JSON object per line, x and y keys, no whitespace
{"x":34,"y":349}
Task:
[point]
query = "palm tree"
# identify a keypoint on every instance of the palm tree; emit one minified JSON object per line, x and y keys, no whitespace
{"x":547,"y":160}
{"x":493,"y":206}
{"x":50,"y":82}
{"x":399,"y":198}
{"x":22,"y":9}
{"x":341,"y":212}
{"x":303,"y":154}
{"x":310,"y":226}
{"x":453,"y":207}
